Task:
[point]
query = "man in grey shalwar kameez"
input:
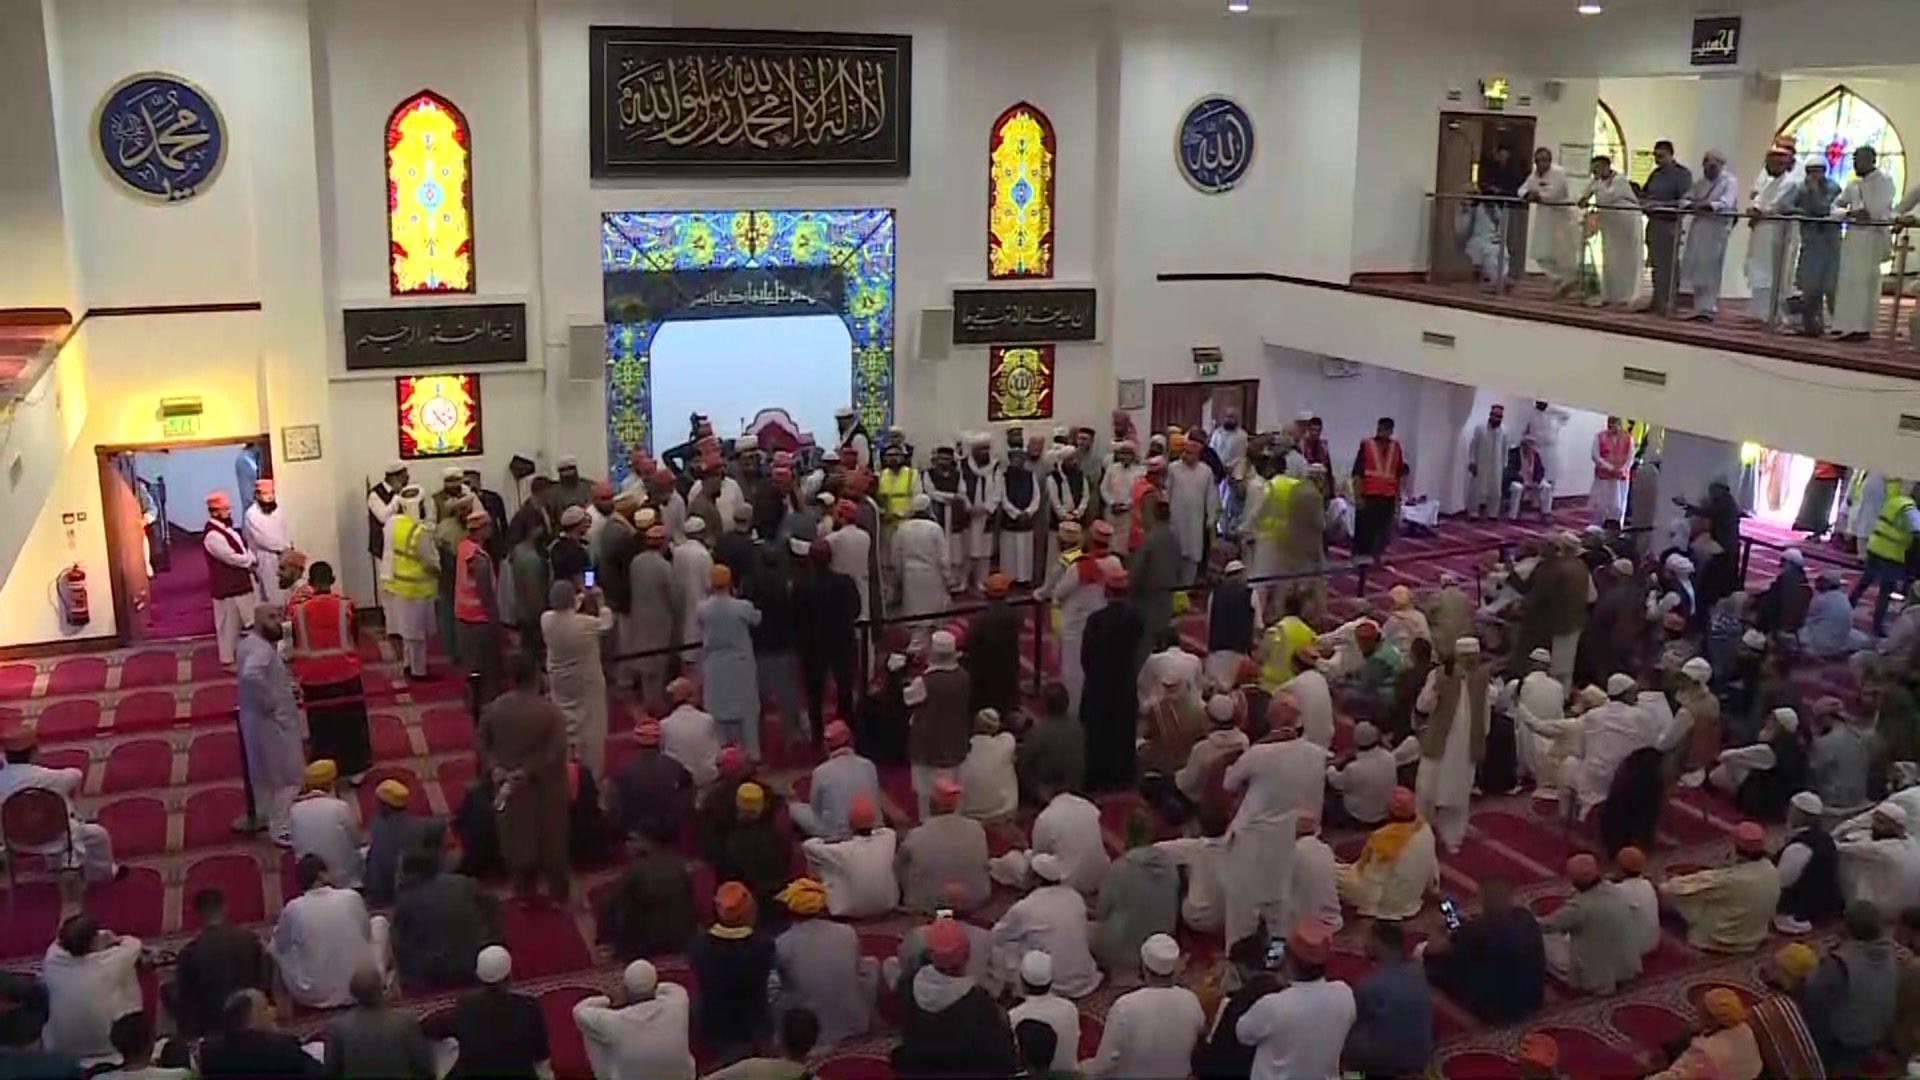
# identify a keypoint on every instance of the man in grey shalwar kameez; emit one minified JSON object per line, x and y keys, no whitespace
{"x":1713,"y":198}
{"x":269,"y":723}
{"x":575,"y":680}
{"x":652,"y":620}
{"x":1819,"y":270}
{"x":1193,"y":499}
{"x":821,"y":967}
{"x":1487,"y":465}
{"x":729,"y":672}
{"x":1153,"y":575}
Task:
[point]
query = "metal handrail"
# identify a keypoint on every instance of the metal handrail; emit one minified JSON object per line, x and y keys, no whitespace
{"x":1676,"y":210}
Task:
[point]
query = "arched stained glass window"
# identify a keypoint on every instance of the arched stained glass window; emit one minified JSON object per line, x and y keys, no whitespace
{"x":1836,"y":125}
{"x":429,"y":197}
{"x":1020,"y":195}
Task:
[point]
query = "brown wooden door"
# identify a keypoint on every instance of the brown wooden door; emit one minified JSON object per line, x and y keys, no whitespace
{"x":1469,"y":161}
{"x":1200,"y":405}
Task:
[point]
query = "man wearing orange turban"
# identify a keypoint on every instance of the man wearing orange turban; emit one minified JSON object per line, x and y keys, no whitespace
{"x":728,"y":669}
{"x":1725,"y":1048}
{"x":730,"y":964}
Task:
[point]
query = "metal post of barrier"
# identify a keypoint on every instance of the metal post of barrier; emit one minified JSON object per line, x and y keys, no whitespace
{"x":1746,"y":556}
{"x":1779,"y":273}
{"x":1039,"y":640}
{"x":1901,"y":248}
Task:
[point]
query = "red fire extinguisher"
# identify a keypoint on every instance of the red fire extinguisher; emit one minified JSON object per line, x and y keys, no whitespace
{"x":73,"y":596}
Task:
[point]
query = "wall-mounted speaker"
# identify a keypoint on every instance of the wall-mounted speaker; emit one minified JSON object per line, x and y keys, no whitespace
{"x":587,"y":352}
{"x":934,"y":339}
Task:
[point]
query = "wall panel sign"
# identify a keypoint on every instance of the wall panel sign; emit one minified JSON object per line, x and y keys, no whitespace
{"x":1214,"y":144}
{"x":435,"y":334}
{"x":1024,"y":315}
{"x":438,"y":415}
{"x":668,"y":100}
{"x":748,"y":291}
{"x":160,"y":136}
{"x":1716,"y":42}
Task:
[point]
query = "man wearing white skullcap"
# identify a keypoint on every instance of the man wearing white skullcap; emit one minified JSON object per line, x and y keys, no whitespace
{"x":982,"y":489}
{"x":1880,"y":856}
{"x":1809,"y":868}
{"x":942,"y":721}
{"x":1224,"y":740}
{"x":569,"y":488}
{"x":1052,"y":919}
{"x":692,"y":559}
{"x":1151,"y":1031}
{"x":1367,"y":782}
{"x":499,"y":1032}
{"x":1122,"y":474}
{"x":641,"y":1032}
{"x":1049,"y":1008}
{"x":1763,"y":775}
{"x":1692,"y":740}
{"x":1701,"y":265}
{"x":1457,"y":701}
{"x":1541,"y":698}
{"x":919,"y":560}
{"x":1610,"y":734}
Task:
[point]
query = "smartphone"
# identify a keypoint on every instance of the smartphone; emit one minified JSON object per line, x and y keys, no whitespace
{"x":1450,"y":913}
{"x":1276,"y":952}
{"x":590,"y":577}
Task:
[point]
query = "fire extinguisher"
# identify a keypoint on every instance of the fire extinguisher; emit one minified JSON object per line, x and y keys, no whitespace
{"x":73,"y":596}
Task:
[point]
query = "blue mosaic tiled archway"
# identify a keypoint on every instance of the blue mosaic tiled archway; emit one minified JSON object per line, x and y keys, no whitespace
{"x":858,"y":243}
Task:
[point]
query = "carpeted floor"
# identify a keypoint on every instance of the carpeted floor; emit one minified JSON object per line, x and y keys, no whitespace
{"x":177,"y":597}
{"x":152,"y":728}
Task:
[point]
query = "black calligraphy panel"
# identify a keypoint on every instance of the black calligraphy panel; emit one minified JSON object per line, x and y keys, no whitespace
{"x":749,"y":101}
{"x":431,"y":335}
{"x":640,"y":296}
{"x":1022,"y":316}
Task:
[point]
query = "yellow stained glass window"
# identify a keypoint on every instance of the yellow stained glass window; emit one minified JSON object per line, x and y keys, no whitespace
{"x":1020,"y":195}
{"x":429,"y":197}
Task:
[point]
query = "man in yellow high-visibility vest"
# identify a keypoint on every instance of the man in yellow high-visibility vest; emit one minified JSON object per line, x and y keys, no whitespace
{"x":1887,"y":547}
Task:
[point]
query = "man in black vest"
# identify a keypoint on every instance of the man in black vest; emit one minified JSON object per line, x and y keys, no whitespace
{"x":1809,"y":869}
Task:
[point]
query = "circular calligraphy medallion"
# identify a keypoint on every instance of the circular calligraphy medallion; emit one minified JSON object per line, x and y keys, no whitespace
{"x":1213,"y":147}
{"x":160,"y":136}
{"x":439,"y":416}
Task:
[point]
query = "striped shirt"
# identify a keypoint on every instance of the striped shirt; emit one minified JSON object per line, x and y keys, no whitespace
{"x":1786,"y":1046}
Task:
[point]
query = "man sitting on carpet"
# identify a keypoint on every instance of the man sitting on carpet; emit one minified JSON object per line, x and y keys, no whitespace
{"x":1725,"y":1049}
{"x":499,"y":1032}
{"x":1729,"y":909}
{"x":821,"y":967}
{"x":324,"y":935}
{"x":1780,"y":1030}
{"x":649,"y":911}
{"x":321,"y":823}
{"x":838,"y":782}
{"x":1398,"y":866}
{"x":944,"y":850}
{"x":1590,"y":937}
{"x":640,"y":1032}
{"x":1053,"y":919}
{"x":394,"y":833}
{"x":1880,"y":858}
{"x":219,"y":962}
{"x":1851,"y":995}
{"x":856,"y":871}
{"x":1495,"y":964}
{"x":440,"y":923}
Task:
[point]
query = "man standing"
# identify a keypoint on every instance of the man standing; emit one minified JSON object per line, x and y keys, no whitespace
{"x":1662,"y":193}
{"x":894,"y":490}
{"x":409,"y":579}
{"x":1556,"y":238}
{"x":1712,"y":200}
{"x":1229,"y":442}
{"x":269,"y":725}
{"x":522,"y":744}
{"x":1453,"y":741}
{"x":1193,"y":497}
{"x":1770,"y":249}
{"x":1867,"y":206}
{"x":1020,"y":503}
{"x":1611,"y":195}
{"x":1154,"y":571}
{"x":383,"y":501}
{"x":230,"y":563}
{"x":1116,"y":493}
{"x":326,"y":655}
{"x":1069,"y":498}
{"x":1888,"y":547}
{"x":571,"y":489}
{"x":920,"y":555}
{"x":266,"y":534}
{"x":1612,"y":460}
{"x":476,"y":613}
{"x":1819,"y":270}
{"x":941,"y":484}
{"x":1487,"y":465}
{"x":1379,"y":473}
{"x":981,"y":488}
{"x":941,"y":725}
{"x":651,"y":622}
{"x":851,"y":433}
{"x":692,"y":566}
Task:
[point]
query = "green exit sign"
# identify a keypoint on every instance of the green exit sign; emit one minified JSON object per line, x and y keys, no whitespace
{"x":174,"y":427}
{"x":1208,"y":371}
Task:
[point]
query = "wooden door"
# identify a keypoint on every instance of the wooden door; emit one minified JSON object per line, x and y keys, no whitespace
{"x":1469,"y":160}
{"x":1200,"y":405}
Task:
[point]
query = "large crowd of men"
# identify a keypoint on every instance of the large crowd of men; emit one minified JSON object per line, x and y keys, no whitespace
{"x":1602,"y":671}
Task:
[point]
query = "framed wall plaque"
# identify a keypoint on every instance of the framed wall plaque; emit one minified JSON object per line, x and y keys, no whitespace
{"x":432,"y":335}
{"x":1023,"y":315}
{"x":675,"y":100}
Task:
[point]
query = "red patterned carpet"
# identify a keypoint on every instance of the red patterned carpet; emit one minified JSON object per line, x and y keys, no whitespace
{"x":152,"y":729}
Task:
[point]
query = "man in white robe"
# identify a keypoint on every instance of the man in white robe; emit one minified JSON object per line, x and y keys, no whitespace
{"x":981,"y":489}
{"x":269,"y":724}
{"x":852,"y":551}
{"x":1879,"y":857}
{"x":1544,"y":698}
{"x":1479,"y":227}
{"x":689,"y":734}
{"x":1448,"y":759}
{"x":1770,"y":250}
{"x":1712,"y":201}
{"x":1621,"y":254}
{"x":1116,"y":492}
{"x":1313,"y":889}
{"x":920,"y":559}
{"x":323,"y":936}
{"x":1313,"y":695}
{"x":383,"y":501}
{"x":1229,"y":441}
{"x":1608,"y":735}
{"x":1556,"y":228}
{"x":1867,"y":206}
{"x":1194,"y":500}
{"x":1487,"y":465}
{"x":1612,"y":455}
{"x":642,"y":1032}
{"x":91,"y":846}
{"x":266,"y":531}
{"x":1052,"y":919}
{"x":1077,"y":587}
{"x":693,"y":568}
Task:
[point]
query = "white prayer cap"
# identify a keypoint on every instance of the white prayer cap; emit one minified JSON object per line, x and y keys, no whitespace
{"x":1540,"y":656}
{"x":1303,"y":415}
{"x":1787,"y":719}
{"x":979,"y":438}
{"x":1160,"y":954}
{"x":745,"y":443}
{"x":694,"y":526}
{"x":493,"y":965}
{"x":1365,"y":734}
{"x":942,"y":647}
{"x":916,"y":693}
{"x":1036,"y":968}
{"x":1591,"y":696}
{"x":1220,"y":709}
{"x":920,"y":504}
{"x":411,"y":492}
{"x":844,"y":412}
{"x":825,"y":499}
{"x":641,"y":978}
{"x":1807,"y":803}
{"x":743,"y":513}
{"x":799,"y":545}
{"x":395,"y":467}
{"x":1715,"y":155}
{"x":1679,"y":564}
{"x":1697,"y":669}
{"x":646,"y":518}
{"x":566,"y":461}
{"x":1466,"y":646}
{"x":1892,"y":811}
{"x":1623,"y":567}
{"x":1234,"y":566}
{"x":897,"y":662}
{"x":1754,"y":639}
{"x":1593,"y":530}
{"x":1620,"y":684}
{"x":1047,"y":867}
{"x":452,"y":472}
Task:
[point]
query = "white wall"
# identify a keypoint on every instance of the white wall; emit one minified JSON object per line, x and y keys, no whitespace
{"x":34,"y":272}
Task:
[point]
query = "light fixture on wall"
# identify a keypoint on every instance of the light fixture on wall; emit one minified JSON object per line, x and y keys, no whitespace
{"x":1591,"y":7}
{"x":1239,"y":7}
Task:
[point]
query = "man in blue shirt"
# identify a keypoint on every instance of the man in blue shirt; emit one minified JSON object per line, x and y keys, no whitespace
{"x":1392,"y":1032}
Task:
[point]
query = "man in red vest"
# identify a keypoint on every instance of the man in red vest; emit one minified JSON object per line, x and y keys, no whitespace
{"x":1612,"y":459}
{"x":476,"y":613}
{"x":230,"y":577}
{"x":326,"y":657}
{"x":1379,"y":473}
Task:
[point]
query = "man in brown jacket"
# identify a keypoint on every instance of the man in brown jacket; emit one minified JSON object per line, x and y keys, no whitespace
{"x":522,"y":746}
{"x":1555,"y":609}
{"x":942,"y":721}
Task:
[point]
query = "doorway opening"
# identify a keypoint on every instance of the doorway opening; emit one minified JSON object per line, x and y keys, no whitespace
{"x":1486,"y":154}
{"x":1199,"y":406}
{"x":154,"y":507}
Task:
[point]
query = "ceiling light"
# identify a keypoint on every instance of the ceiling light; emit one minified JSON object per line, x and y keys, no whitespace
{"x":1591,"y":7}
{"x":1239,"y":7}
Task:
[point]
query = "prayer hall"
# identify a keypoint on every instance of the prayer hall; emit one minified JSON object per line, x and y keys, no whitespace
{"x":1280,"y":539}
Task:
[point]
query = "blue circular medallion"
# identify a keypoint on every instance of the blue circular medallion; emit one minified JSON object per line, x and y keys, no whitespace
{"x":160,"y":136}
{"x":1214,"y":146}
